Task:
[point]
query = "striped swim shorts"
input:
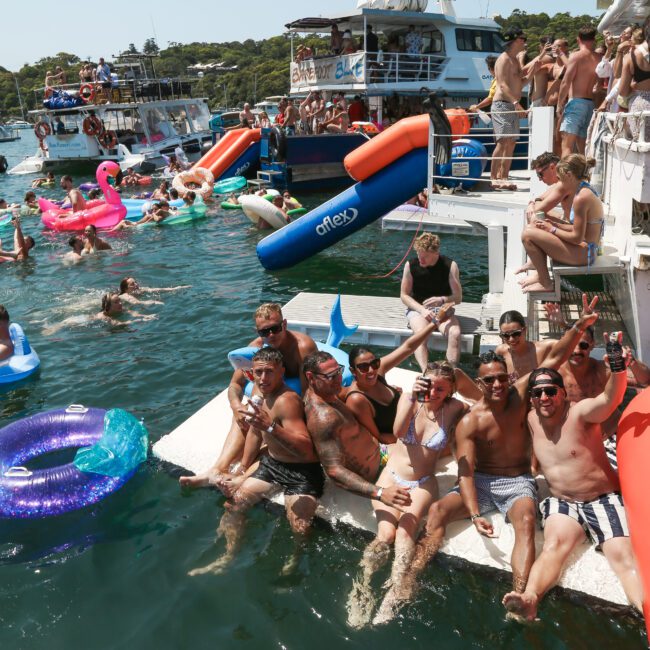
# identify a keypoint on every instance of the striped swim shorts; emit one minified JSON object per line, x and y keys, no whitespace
{"x":501,"y":492}
{"x":602,"y":519}
{"x":505,"y":120}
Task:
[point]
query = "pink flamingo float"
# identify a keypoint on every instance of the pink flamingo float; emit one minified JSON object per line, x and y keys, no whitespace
{"x":101,"y":214}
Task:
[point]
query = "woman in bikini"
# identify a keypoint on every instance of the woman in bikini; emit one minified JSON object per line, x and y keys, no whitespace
{"x":521,"y":356}
{"x":369,"y":397}
{"x":576,"y":242}
{"x":423,"y":429}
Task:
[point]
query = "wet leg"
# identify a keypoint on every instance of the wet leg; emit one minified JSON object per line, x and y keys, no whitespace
{"x":300,"y":510}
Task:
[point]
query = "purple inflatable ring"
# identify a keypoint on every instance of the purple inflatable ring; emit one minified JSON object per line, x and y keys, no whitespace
{"x":86,"y":187}
{"x":32,"y":494}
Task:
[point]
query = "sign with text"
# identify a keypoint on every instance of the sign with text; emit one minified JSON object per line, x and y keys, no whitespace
{"x":347,"y":69}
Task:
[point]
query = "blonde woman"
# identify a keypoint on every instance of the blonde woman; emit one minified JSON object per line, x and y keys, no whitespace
{"x":575,"y":243}
{"x":424,"y":426}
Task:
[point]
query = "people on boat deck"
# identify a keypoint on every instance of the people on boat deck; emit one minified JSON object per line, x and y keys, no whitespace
{"x":291,"y":117}
{"x":74,"y":196}
{"x":103,"y":77}
{"x":86,"y":73}
{"x":424,"y":426}
{"x":247,"y":114}
{"x":545,"y":166}
{"x":576,"y":243}
{"x":372,"y":400}
{"x":540,"y":79}
{"x":290,"y":463}
{"x":490,"y":61}
{"x":429,"y":281}
{"x":93,"y":243}
{"x":575,"y":104}
{"x":6,"y":344}
{"x":511,"y":76}
{"x":22,"y":243}
{"x":585,"y":490}
{"x":494,"y":464}
{"x":272,"y":330}
{"x":560,"y":54}
{"x":336,"y":40}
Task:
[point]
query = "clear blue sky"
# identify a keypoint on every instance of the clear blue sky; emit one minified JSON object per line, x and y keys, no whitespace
{"x":42,"y":28}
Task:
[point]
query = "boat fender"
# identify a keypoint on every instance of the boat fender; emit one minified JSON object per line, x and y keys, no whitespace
{"x":3,"y":165}
{"x":92,"y":125}
{"x":277,"y":144}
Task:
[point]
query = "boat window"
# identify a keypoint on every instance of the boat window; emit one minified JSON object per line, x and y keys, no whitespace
{"x":478,"y":40}
{"x":158,"y":124}
{"x":178,"y":119}
{"x":199,"y":116}
{"x":432,"y":42}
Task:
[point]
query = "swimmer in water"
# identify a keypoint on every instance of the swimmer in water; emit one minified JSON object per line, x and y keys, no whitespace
{"x":93,"y":243}
{"x":74,"y":256}
{"x":130,"y":289}
{"x":111,"y":310}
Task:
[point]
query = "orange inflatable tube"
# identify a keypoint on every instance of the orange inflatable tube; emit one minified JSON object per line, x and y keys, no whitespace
{"x":391,"y":144}
{"x":633,"y":452}
{"x":227,"y":150}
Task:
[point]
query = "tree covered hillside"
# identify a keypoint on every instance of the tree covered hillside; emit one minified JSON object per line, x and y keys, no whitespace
{"x":262,"y":66}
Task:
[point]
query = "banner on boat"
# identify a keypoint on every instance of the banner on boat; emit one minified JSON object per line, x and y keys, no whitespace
{"x":350,"y":68}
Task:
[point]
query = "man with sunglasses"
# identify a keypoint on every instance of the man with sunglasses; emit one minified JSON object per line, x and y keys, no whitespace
{"x":494,"y":460}
{"x":585,"y":491}
{"x":348,"y":452}
{"x":294,"y":346}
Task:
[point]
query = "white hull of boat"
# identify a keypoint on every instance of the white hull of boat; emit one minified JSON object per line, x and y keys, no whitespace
{"x":196,"y":444}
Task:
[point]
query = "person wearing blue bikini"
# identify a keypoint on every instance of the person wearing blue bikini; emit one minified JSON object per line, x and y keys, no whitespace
{"x":424,"y":425}
{"x":576,"y":242}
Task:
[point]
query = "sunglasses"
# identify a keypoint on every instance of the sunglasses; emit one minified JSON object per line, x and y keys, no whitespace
{"x":511,"y":335}
{"x":331,"y":375}
{"x":364,"y":366}
{"x":273,"y":329}
{"x":583,"y":345}
{"x":549,"y":391}
{"x":540,"y":172}
{"x":490,"y":379}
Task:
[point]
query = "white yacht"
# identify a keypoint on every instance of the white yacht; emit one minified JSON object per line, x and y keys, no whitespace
{"x":136,"y":122}
{"x":450,"y":56}
{"x":8,"y":133}
{"x":19,"y":124}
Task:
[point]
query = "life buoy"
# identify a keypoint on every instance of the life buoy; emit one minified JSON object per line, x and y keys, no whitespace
{"x":363,"y":127}
{"x":277,"y":144}
{"x":107,"y":139}
{"x":195,"y":176}
{"x":42,"y":130}
{"x":92,"y":125}
{"x":87,"y":93}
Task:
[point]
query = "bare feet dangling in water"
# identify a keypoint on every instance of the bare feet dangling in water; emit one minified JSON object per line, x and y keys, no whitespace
{"x":522,"y":607}
{"x":207,"y":479}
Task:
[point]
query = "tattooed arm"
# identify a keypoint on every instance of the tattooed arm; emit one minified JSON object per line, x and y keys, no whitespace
{"x":323,"y":423}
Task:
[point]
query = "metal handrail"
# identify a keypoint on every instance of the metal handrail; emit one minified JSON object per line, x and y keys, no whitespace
{"x":396,"y":67}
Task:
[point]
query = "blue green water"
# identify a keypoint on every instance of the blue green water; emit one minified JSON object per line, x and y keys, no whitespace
{"x":115,"y":576}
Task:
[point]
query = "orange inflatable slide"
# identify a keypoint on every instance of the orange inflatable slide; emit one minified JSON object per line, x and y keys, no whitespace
{"x":633,"y":452}
{"x":226,"y":152}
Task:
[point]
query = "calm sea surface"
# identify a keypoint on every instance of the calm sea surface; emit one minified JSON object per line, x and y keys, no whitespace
{"x":115,"y":576}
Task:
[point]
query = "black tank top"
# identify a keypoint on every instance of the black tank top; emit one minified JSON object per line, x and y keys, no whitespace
{"x":384,"y":413}
{"x":639,"y":75}
{"x":430,"y":281}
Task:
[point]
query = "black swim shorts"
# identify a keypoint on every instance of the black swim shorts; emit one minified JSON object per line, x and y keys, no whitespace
{"x":293,"y":478}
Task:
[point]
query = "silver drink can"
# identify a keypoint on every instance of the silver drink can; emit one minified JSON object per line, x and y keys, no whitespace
{"x":489,"y":323}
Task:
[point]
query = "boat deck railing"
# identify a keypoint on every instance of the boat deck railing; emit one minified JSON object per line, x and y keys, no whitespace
{"x":398,"y":67}
{"x":128,"y":90}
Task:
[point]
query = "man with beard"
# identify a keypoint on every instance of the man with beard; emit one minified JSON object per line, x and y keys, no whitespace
{"x":494,"y":461}
{"x":585,"y":490}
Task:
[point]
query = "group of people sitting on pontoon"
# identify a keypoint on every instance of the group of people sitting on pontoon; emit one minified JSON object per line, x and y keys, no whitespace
{"x":378,"y":442}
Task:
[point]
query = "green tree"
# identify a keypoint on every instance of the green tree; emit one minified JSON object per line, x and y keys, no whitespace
{"x":150,"y":46}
